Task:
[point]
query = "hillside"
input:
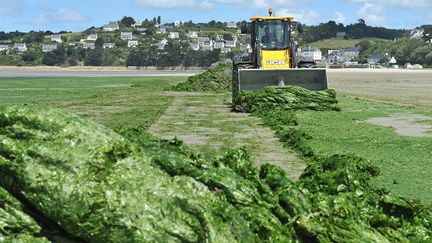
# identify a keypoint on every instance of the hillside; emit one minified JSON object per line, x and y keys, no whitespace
{"x":334,"y":43}
{"x":150,"y":43}
{"x":124,"y":43}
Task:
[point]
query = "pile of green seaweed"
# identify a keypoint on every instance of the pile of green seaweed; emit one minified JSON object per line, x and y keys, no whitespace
{"x":287,"y":98}
{"x":217,"y":79}
{"x":125,"y":186}
{"x":15,"y":224}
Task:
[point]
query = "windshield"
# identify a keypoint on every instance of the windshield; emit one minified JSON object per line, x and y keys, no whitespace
{"x":273,"y":34}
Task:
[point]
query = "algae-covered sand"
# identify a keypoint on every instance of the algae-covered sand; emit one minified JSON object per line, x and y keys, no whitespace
{"x":100,"y":185}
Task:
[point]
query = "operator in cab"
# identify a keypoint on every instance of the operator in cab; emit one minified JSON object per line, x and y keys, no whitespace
{"x":266,"y":39}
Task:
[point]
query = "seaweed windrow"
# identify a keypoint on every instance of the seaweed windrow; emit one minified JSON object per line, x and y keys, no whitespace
{"x":101,"y":185}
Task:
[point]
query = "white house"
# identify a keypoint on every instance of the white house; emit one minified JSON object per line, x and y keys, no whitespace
{"x":133,"y":43}
{"x":137,"y":23}
{"x":346,"y":55}
{"x":126,"y":35}
{"x":92,"y":37}
{"x":194,"y":46}
{"x":226,"y":50}
{"x":142,"y":30}
{"x":178,"y":23}
{"x":192,"y":34}
{"x":417,"y":34}
{"x":108,"y":45}
{"x":174,"y":35}
{"x":4,"y":48}
{"x":203,"y":39}
{"x":219,"y":38}
{"x":231,"y":44}
{"x":21,"y":47}
{"x":378,"y":58}
{"x":310,"y":54}
{"x":207,"y":46}
{"x":49,"y":48}
{"x":111,"y":26}
{"x":161,"y":30}
{"x":56,"y":38}
{"x":393,"y":61}
{"x":161,"y":45}
{"x":231,"y":25}
{"x":89,"y":46}
{"x":340,"y":35}
{"x":351,"y":53}
{"x":219,"y":45}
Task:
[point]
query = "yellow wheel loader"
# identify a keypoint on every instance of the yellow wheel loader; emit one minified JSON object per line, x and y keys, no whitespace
{"x":273,"y":60}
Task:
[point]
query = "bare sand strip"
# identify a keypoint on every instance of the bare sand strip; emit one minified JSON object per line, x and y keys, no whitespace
{"x":204,"y":122}
{"x":405,"y":124}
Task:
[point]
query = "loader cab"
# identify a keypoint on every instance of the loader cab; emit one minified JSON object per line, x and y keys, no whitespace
{"x":272,"y":34}
{"x":272,"y":46}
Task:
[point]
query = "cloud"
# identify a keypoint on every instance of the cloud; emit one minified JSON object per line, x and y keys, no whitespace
{"x":400,"y":3}
{"x":340,"y":17}
{"x":373,"y":14}
{"x":63,"y":15}
{"x":170,"y":3}
{"x":209,"y":4}
{"x":12,"y":8}
{"x":303,"y":16}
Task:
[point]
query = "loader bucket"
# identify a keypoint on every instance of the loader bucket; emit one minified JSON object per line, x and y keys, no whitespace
{"x":253,"y":79}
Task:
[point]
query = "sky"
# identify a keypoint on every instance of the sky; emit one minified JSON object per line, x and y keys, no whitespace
{"x":78,"y":15}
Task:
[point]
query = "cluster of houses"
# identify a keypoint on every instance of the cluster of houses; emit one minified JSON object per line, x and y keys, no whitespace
{"x":348,"y":56}
{"x":344,"y":56}
{"x":421,"y":34}
{"x":207,"y":44}
{"x":20,"y":47}
{"x":196,"y":42}
{"x":335,"y":57}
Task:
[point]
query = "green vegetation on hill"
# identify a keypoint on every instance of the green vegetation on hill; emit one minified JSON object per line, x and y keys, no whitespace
{"x":353,"y":31}
{"x":414,"y":51}
{"x":337,"y":44}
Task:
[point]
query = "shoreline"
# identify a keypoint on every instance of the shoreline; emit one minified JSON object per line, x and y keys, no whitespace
{"x":190,"y":69}
{"x":97,"y":68}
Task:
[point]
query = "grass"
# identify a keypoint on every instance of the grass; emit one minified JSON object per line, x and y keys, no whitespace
{"x":404,"y":161}
{"x":131,"y":102}
{"x":340,"y":43}
{"x":113,"y":102}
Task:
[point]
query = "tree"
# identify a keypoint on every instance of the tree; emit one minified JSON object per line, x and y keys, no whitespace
{"x":147,"y":24}
{"x":136,"y":59}
{"x":107,"y":58}
{"x":127,"y":21}
{"x":99,"y":42}
{"x":49,"y":59}
{"x":29,"y":56}
{"x":159,"y":19}
{"x":33,"y":36}
{"x":94,"y":57}
{"x":57,"y":57}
